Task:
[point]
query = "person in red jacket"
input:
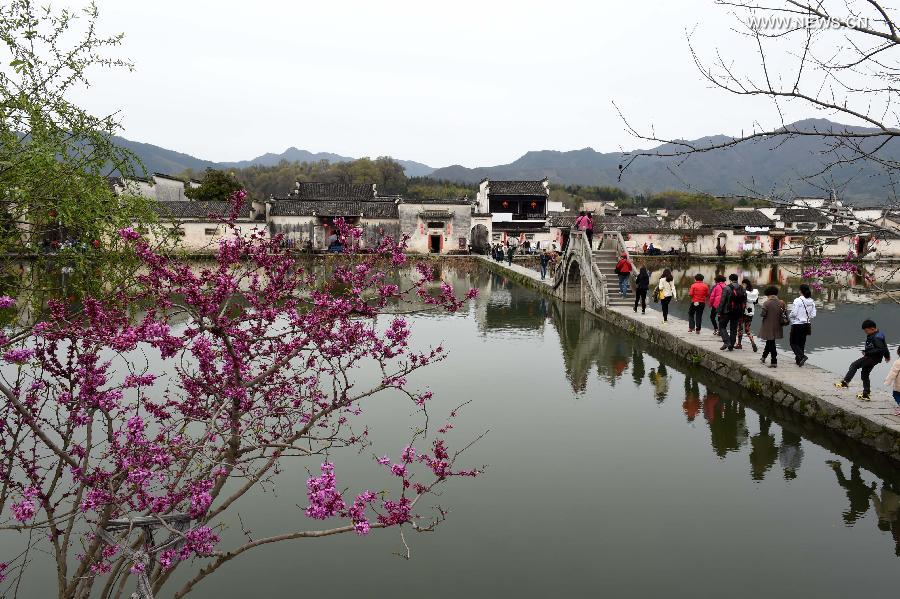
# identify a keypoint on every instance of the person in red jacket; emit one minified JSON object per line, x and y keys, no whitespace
{"x":698,"y":293}
{"x":715,"y":297}
{"x":623,"y":269}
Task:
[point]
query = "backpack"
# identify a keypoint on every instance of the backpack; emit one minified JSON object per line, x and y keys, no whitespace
{"x":737,"y":300}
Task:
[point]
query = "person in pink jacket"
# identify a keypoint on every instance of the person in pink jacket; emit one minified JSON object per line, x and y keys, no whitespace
{"x":715,"y":298}
{"x":893,"y":381}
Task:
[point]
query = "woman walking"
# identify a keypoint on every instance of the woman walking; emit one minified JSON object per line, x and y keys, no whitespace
{"x":772,"y":327}
{"x":803,"y":310}
{"x":666,"y":292}
{"x":715,"y":298}
{"x":641,"y":285}
{"x":744,"y":326}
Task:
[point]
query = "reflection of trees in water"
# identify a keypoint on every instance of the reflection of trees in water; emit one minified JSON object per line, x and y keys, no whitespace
{"x":587,"y":343}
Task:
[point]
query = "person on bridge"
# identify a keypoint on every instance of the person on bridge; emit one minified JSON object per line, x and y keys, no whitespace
{"x":623,"y":269}
{"x":715,"y":298}
{"x":803,"y":310}
{"x":545,"y":261}
{"x":731,"y":309}
{"x":641,"y":285}
{"x":666,"y":292}
{"x":699,"y":292}
{"x":744,"y":326}
{"x":874,"y":350}
{"x":771,"y":327}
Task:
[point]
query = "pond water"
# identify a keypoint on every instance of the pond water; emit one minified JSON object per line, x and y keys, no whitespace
{"x":612,"y":469}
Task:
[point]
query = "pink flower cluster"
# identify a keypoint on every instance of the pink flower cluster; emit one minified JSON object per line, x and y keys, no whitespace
{"x":259,"y":355}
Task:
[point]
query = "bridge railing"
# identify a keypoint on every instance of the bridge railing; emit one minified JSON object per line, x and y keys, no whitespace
{"x":591,"y":275}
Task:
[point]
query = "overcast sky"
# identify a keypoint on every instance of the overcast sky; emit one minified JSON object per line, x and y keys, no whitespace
{"x":466,"y":82}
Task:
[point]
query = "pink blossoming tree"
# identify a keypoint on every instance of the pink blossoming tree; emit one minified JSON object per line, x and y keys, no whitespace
{"x":260,"y":355}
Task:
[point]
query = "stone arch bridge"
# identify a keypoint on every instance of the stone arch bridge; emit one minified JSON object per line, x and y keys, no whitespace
{"x":587,"y":275}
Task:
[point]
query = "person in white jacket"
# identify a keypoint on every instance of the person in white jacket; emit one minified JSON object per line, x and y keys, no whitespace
{"x":801,"y":314}
{"x":893,"y":381}
{"x":666,"y":292}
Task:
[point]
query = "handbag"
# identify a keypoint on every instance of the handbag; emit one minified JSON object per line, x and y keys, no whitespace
{"x":783,"y":318}
{"x":808,"y":320}
{"x":656,"y":295}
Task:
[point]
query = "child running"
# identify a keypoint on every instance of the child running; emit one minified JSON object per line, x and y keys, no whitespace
{"x":874,"y":350}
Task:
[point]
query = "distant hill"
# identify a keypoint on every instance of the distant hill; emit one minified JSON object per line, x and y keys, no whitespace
{"x":766,"y":166}
{"x":161,"y":160}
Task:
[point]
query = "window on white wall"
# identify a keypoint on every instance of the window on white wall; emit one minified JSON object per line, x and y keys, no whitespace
{"x":211,"y":231}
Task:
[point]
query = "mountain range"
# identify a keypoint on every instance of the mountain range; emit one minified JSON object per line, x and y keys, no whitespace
{"x":157,"y":159}
{"x":766,"y":166}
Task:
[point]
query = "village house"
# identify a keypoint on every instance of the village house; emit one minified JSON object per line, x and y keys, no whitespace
{"x":159,"y":187}
{"x":197,"y":226}
{"x":438,"y":226}
{"x":518,"y":209}
{"x":305,"y":217}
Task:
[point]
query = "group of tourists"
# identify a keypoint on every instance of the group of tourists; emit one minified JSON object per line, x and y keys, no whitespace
{"x":733,"y":303}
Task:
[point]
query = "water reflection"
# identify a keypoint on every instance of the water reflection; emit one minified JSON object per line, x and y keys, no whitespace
{"x":778,"y":444}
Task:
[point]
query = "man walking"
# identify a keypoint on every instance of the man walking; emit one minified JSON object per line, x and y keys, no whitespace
{"x":731,"y":309}
{"x":545,"y":261}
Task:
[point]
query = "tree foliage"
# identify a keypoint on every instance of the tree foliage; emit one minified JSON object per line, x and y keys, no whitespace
{"x":55,"y":198}
{"x":216,"y":186}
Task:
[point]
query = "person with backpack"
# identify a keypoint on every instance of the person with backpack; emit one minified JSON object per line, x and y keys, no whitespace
{"x":623,"y":269}
{"x":666,"y":292}
{"x":772,"y":314}
{"x":715,"y":298}
{"x":803,"y":310}
{"x":744,"y":326}
{"x":731,"y":309}
{"x":874,"y":350}
{"x":641,"y":286}
{"x":699,"y":292}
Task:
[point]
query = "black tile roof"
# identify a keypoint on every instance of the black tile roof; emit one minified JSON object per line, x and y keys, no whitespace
{"x":730,"y":218}
{"x":512,"y":188}
{"x":803,"y":215}
{"x":439,"y":201}
{"x":178,"y":210}
{"x":338,"y":207}
{"x":333,"y":191}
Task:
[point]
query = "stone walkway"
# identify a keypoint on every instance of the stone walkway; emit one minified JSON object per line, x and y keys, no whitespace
{"x":810,"y":378}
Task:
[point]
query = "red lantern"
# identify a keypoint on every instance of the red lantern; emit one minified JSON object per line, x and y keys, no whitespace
{"x":533,"y":205}
{"x":505,"y":204}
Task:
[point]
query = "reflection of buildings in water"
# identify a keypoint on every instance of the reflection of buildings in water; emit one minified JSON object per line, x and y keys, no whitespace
{"x":502,"y":304}
{"x":587,"y":343}
{"x":845,"y":289}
